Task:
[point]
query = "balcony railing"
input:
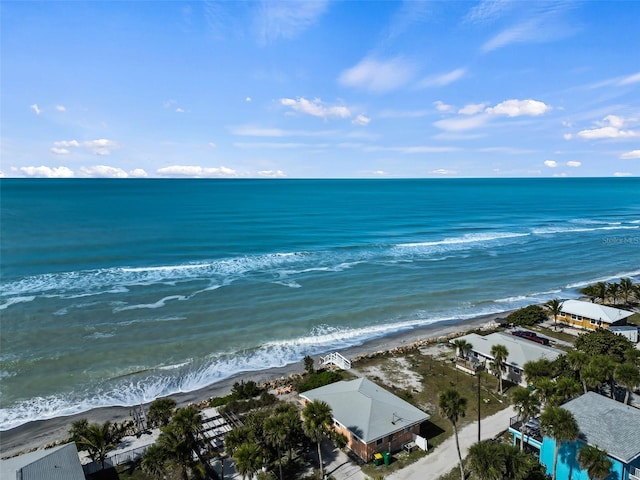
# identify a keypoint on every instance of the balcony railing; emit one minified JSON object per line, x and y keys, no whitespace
{"x":531,"y":429}
{"x":634,"y":473}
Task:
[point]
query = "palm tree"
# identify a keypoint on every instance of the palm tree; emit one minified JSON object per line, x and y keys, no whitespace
{"x":613,"y":290}
{"x":601,"y":291}
{"x":534,"y":371}
{"x":275,"y":433}
{"x":546,"y":390}
{"x":577,"y":361}
{"x":499,"y":354}
{"x":628,"y":376}
{"x":453,"y":406}
{"x":626,"y":289}
{"x":177,"y":449}
{"x":160,"y":412}
{"x":153,"y":461}
{"x":590,"y":291}
{"x":317,"y":417}
{"x":595,"y":462}
{"x":559,"y":424}
{"x":248,"y":458}
{"x":98,"y":439}
{"x":555,"y":307}
{"x":527,"y":404}
{"x":566,"y":389}
{"x":462,"y":347}
{"x":485,"y":461}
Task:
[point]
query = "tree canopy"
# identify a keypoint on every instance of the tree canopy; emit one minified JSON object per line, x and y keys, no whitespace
{"x":603,"y":342}
{"x":527,"y":316}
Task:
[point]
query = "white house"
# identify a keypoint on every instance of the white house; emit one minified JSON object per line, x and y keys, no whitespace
{"x":520,"y":351}
{"x":591,"y":316}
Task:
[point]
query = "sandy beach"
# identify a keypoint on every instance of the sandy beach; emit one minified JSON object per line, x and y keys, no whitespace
{"x":40,"y":433}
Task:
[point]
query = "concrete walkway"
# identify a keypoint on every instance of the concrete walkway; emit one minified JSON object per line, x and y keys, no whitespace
{"x":445,"y":456}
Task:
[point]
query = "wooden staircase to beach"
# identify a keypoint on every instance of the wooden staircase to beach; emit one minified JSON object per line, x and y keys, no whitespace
{"x":336,"y":359}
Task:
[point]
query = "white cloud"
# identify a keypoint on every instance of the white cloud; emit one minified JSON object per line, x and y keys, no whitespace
{"x":378,"y":76}
{"x":635,"y":78}
{"x":212,"y":145}
{"x":412,"y":149}
{"x":567,"y":136}
{"x":61,"y":108}
{"x":379,"y":172}
{"x":315,"y":108}
{"x":102,"y":171}
{"x":247,"y":99}
{"x":66,"y":143}
{"x":361,"y":120}
{"x":195,"y":171}
{"x":35,"y":108}
{"x":517,"y":108}
{"x":271,"y":174}
{"x":249,"y":131}
{"x":286,"y":19}
{"x":631,"y":154}
{"x":573,"y":163}
{"x":47,"y":172}
{"x":471,"y":109}
{"x":179,"y":110}
{"x":138,"y":173}
{"x":610,"y":127}
{"x":101,"y":146}
{"x":463,"y":123}
{"x":59,"y":151}
{"x":443,"y":171}
{"x":551,"y":163}
{"x":403,"y":114}
{"x":622,"y":174}
{"x":443,"y":79}
{"x":443,"y":107}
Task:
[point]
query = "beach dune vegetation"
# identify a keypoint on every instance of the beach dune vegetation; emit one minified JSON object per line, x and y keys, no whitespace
{"x":527,"y":316}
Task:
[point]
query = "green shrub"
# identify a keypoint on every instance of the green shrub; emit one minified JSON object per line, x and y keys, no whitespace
{"x":527,"y":316}
{"x":318,"y":379}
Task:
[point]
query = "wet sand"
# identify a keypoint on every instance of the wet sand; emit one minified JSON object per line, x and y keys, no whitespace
{"x":39,"y":433}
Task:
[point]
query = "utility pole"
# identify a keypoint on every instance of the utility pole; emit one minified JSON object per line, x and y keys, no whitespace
{"x":478,"y":374}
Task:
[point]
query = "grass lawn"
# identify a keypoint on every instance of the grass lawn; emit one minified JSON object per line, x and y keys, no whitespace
{"x":437,"y":374}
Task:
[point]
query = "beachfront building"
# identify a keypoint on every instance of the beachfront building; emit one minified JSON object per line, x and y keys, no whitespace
{"x":57,"y":463}
{"x":604,"y":423}
{"x":591,"y":316}
{"x":521,"y":351}
{"x":373,"y":419}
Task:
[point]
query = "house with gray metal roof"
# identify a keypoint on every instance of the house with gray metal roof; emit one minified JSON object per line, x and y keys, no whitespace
{"x":58,"y":463}
{"x":591,"y":316}
{"x":520,"y":351}
{"x":372,"y":418}
{"x":605,"y":423}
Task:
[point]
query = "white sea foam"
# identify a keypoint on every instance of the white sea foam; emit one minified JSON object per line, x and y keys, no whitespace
{"x":16,"y":300}
{"x":467,"y":238}
{"x":609,"y":278}
{"x":556,"y":230}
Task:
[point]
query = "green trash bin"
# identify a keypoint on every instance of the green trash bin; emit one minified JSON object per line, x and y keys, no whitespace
{"x":387,"y":457}
{"x":377,"y":459}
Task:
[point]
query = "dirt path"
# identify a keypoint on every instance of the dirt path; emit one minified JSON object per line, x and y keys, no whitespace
{"x":445,"y":456}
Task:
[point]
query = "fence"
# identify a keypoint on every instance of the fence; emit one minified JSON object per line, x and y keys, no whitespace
{"x":116,"y":459}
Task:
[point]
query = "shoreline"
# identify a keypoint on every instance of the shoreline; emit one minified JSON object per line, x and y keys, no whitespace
{"x":42,"y":433}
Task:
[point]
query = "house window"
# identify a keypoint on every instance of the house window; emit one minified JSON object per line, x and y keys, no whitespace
{"x":391,"y":438}
{"x":379,"y":441}
{"x":407,"y":429}
{"x":561,"y":314}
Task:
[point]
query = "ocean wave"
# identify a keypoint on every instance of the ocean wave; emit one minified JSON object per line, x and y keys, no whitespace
{"x":143,"y":385}
{"x":556,"y":230}
{"x":466,"y":238}
{"x":632,"y":274}
{"x":16,"y":300}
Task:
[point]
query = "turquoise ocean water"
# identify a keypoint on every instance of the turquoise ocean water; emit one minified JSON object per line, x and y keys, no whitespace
{"x":114,"y":292}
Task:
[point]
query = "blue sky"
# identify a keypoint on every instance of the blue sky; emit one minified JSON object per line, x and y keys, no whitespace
{"x":317,"y":89}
